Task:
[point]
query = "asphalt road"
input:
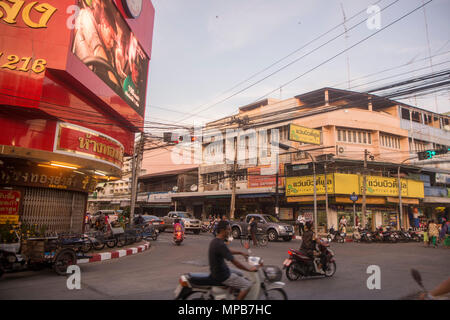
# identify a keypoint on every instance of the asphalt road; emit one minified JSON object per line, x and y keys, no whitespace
{"x":154,"y":273}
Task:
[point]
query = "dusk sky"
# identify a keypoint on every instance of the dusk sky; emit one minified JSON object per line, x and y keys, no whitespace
{"x":204,"y":48}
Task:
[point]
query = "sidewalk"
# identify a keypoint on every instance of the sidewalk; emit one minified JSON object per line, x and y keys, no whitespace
{"x":115,"y":253}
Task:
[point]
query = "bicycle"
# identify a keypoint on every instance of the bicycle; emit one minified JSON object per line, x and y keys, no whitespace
{"x":261,"y":239}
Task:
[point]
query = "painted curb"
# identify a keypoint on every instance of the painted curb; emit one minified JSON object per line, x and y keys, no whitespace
{"x":115,"y":254}
{"x":300,"y":238}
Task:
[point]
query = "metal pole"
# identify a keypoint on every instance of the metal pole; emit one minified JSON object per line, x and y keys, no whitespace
{"x":399,"y":199}
{"x":136,"y":169}
{"x":354,"y":216}
{"x":315,"y":193}
{"x":233,"y":181}
{"x":326,"y":189}
{"x":277,"y":203}
{"x":363,"y":208}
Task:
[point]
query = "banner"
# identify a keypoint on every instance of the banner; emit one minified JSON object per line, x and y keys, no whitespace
{"x":9,"y":206}
{"x":303,"y":134}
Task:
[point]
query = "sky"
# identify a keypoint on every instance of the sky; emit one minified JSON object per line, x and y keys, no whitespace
{"x":203,"y":48}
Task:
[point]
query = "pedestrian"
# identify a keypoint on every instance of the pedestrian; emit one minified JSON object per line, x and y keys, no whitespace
{"x":252,"y":227}
{"x":216,"y":222}
{"x":343,"y":222}
{"x":301,"y":224}
{"x":444,"y":230}
{"x":224,"y":218}
{"x":426,"y":239}
{"x":433,"y":232}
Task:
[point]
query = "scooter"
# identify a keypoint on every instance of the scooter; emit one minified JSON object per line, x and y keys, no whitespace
{"x":178,"y":234}
{"x":266,"y":285}
{"x":301,"y":266}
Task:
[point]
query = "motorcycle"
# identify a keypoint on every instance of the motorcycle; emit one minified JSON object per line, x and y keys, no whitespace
{"x":415,"y":236}
{"x":300,"y":266}
{"x":178,"y":234}
{"x":366,"y":236}
{"x":266,"y":285}
{"x":334,"y":235}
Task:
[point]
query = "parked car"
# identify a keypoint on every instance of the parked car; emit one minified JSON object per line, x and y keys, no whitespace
{"x":155,"y":221}
{"x":190,"y":223}
{"x":269,"y":224}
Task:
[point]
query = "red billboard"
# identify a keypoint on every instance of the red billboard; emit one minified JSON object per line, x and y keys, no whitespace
{"x":41,"y":68}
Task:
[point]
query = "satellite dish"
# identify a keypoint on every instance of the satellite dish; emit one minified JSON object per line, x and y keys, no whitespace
{"x":194,"y":187}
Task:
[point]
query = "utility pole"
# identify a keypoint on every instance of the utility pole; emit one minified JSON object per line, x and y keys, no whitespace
{"x":136,"y":165}
{"x":233,"y":181}
{"x":363,"y":209}
{"x":326,"y":187}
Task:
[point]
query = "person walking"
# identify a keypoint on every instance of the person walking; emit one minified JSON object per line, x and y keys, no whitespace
{"x":301,"y":224}
{"x":252,"y":227}
{"x":433,"y":232}
{"x":444,"y":231}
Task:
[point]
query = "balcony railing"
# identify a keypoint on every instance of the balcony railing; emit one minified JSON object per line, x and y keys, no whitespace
{"x":426,"y":133}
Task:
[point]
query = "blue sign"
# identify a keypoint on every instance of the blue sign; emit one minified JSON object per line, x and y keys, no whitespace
{"x":354,"y":197}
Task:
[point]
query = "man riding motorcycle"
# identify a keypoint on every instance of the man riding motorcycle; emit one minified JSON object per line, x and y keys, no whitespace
{"x":218,"y":252}
{"x":308,"y":246}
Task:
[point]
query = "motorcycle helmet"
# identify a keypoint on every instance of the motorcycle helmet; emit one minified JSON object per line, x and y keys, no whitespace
{"x":272,"y":273}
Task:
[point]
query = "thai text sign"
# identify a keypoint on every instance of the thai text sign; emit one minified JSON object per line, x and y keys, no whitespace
{"x":9,"y":206}
{"x":339,"y":183}
{"x":303,"y":134}
{"x":44,"y":177}
{"x":257,"y":178}
{"x":88,"y":144}
{"x":297,"y":186}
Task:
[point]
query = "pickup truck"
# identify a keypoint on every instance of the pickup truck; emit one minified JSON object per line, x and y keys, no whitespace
{"x":270,"y":225}
{"x":190,"y":223}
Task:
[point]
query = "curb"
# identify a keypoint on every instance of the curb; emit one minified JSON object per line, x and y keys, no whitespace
{"x":300,"y":238}
{"x":115,"y":254}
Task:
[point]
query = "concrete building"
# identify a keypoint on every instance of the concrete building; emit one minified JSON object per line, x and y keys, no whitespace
{"x":351,"y":125}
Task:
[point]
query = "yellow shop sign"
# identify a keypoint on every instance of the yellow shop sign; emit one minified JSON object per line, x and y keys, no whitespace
{"x":303,"y":134}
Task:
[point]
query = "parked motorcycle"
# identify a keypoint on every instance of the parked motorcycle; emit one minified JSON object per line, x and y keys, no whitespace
{"x":415,"y":236}
{"x":366,"y":236}
{"x":266,"y":285}
{"x":334,"y":235}
{"x":300,"y":266}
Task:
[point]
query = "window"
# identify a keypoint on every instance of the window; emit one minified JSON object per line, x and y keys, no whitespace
{"x":389,"y":141}
{"x":353,"y":136}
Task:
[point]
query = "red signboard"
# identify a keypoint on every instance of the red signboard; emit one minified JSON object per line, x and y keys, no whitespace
{"x":89,"y":144}
{"x":9,"y":206}
{"x":38,"y":68}
{"x":258,"y":180}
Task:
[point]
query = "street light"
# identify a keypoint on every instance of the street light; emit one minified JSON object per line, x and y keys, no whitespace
{"x":286,"y":147}
{"x":400,"y":192}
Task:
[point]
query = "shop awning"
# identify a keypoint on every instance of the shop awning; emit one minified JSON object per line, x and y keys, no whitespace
{"x":404,"y":200}
{"x":436,"y":200}
{"x":257,"y":195}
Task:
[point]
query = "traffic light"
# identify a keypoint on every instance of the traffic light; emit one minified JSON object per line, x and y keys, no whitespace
{"x":429,"y":154}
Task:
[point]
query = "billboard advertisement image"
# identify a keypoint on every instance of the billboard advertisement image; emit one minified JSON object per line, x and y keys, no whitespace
{"x":104,"y":43}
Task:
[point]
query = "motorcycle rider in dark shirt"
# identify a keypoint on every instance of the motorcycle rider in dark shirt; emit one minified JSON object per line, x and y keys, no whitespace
{"x":308,"y":246}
